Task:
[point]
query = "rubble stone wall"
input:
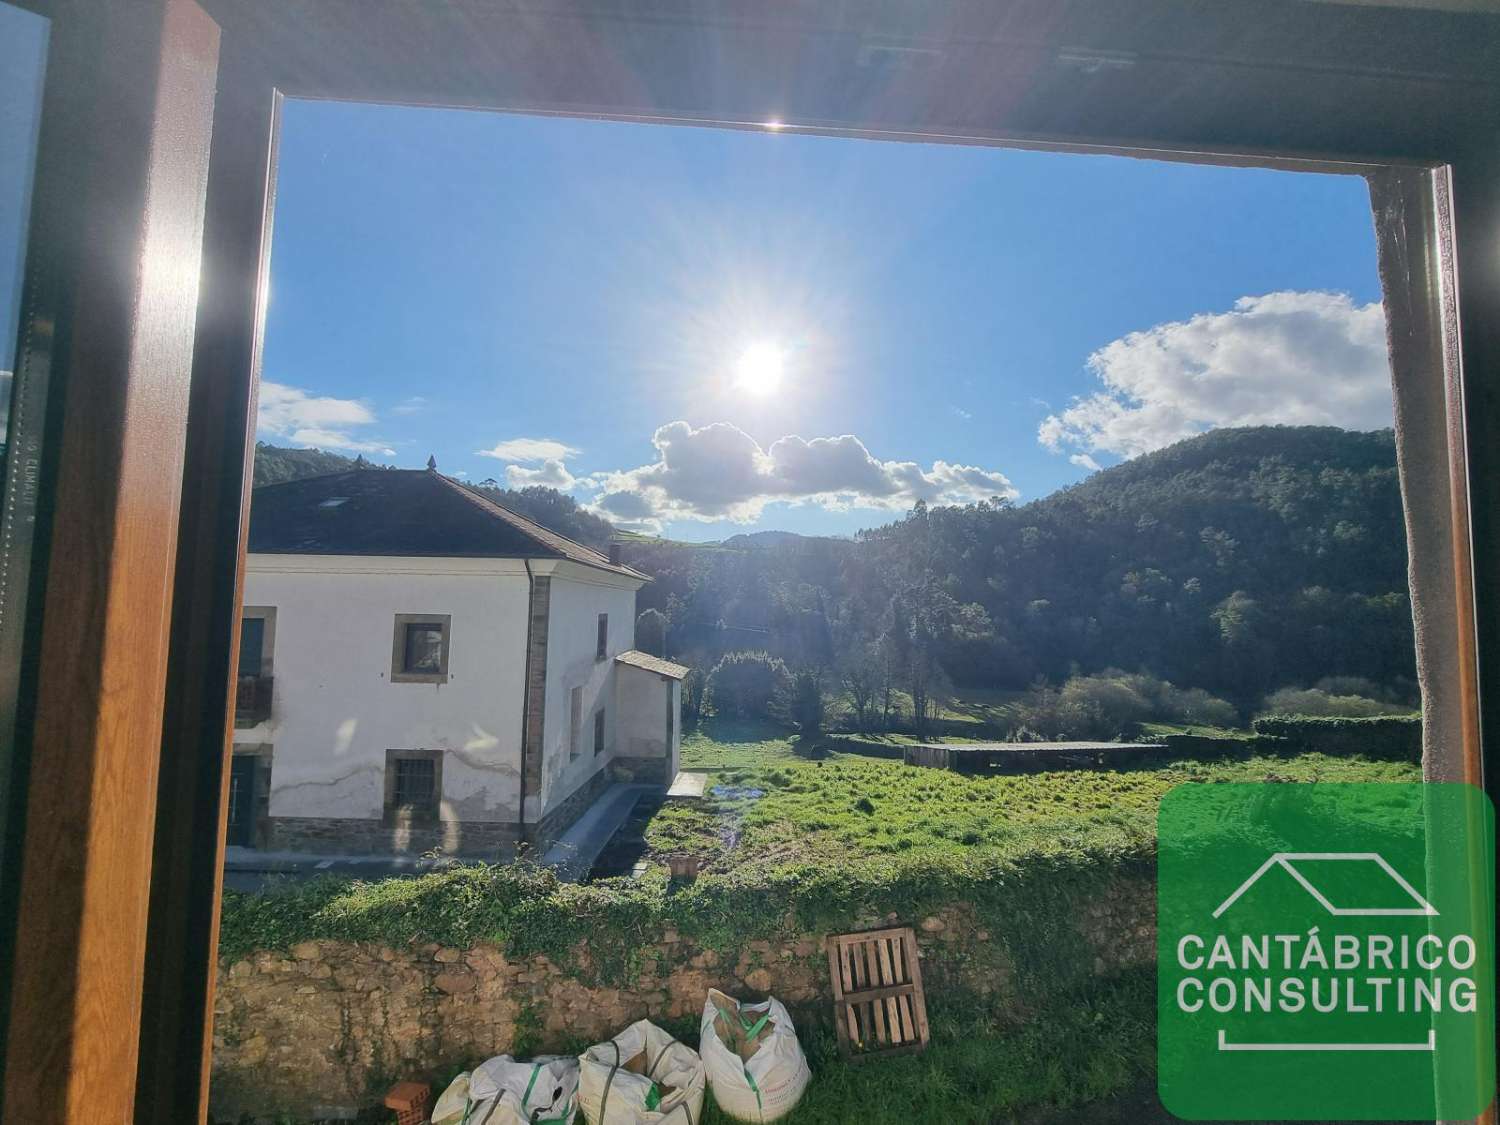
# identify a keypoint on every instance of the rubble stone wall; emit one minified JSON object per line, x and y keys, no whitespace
{"x":323,"y":1029}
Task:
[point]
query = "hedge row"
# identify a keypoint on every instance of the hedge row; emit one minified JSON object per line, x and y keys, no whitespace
{"x":1385,"y":737}
{"x":1031,"y":903}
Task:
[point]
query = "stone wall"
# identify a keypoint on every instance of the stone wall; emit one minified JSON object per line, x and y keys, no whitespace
{"x":322,"y":1029}
{"x":480,"y":839}
{"x":642,"y":771}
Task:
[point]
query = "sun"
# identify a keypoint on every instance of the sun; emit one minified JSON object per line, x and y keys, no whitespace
{"x":759,"y":369}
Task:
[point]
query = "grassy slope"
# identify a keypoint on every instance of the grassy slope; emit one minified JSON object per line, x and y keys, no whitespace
{"x":1087,"y":1045}
{"x":849,"y":808}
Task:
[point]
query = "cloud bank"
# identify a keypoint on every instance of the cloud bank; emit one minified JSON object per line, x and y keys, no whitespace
{"x":719,"y":472}
{"x":295,"y":416}
{"x":529,"y":449}
{"x":1293,"y":358}
{"x":552,"y":473}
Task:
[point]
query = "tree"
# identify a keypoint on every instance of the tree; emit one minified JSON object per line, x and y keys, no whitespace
{"x":805,"y":702}
{"x":651,"y":632}
{"x":860,"y":675}
{"x":744,"y":684}
{"x":693,"y":690}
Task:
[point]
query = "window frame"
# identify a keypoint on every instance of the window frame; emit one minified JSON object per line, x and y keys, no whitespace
{"x":575,"y":723}
{"x":601,"y":639}
{"x":601,"y":731}
{"x":399,"y":647}
{"x":395,"y":815}
{"x":91,"y":665}
{"x":266,"y":615}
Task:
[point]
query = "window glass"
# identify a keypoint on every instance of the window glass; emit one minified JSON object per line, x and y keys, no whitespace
{"x":598,"y":732}
{"x":23,"y":55}
{"x":603,"y":646}
{"x":424,"y":648}
{"x":23,"y":47}
{"x":252,"y":645}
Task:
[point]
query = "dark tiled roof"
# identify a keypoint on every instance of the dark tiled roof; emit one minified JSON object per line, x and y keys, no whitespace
{"x":644,"y":660}
{"x":412,"y":512}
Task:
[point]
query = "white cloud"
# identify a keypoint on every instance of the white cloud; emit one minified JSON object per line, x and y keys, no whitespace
{"x":529,"y":449}
{"x":719,"y":472}
{"x":291,"y":414}
{"x":1084,"y":461}
{"x":966,"y":415}
{"x":552,"y":474}
{"x":413,"y":405}
{"x":1293,"y":358}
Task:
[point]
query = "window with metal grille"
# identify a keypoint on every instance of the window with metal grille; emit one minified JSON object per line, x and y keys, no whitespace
{"x":416,"y":783}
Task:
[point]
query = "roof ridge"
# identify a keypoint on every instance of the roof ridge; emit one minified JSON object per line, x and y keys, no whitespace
{"x":309,"y":476}
{"x":544,"y":535}
{"x":349,"y":472}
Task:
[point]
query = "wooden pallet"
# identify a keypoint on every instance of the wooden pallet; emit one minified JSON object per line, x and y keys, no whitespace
{"x":878,"y":1003}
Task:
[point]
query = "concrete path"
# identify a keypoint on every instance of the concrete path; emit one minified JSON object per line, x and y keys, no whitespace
{"x":688,"y":787}
{"x":576,"y":849}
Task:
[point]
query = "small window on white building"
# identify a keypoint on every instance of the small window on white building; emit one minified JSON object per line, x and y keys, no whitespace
{"x":419,"y":651}
{"x":575,"y":723}
{"x":252,"y":693}
{"x":413,"y":785}
{"x":602,"y":648}
{"x":598,"y":732}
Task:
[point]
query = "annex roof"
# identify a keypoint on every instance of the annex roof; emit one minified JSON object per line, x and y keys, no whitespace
{"x":644,"y":660}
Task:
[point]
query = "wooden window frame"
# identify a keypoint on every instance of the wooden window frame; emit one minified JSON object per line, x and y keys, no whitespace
{"x":157,"y":146}
{"x":399,"y":674}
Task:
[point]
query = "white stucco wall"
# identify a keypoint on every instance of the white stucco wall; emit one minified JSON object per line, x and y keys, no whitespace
{"x":579,"y":595}
{"x":335,"y":711}
{"x":641,"y":700}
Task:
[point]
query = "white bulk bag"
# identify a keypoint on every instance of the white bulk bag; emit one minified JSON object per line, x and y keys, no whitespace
{"x":642,"y":1075}
{"x":505,"y":1091}
{"x":754,"y":1062}
{"x":453,"y":1102}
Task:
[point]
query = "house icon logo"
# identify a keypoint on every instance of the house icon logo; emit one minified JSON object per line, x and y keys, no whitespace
{"x":1325,"y":951}
{"x":1287,"y":861}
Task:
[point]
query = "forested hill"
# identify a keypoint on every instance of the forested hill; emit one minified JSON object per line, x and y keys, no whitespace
{"x":274,"y":464}
{"x":550,"y":508}
{"x":1240,"y":561}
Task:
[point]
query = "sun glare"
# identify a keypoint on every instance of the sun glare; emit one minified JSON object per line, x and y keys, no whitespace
{"x":759,"y":369}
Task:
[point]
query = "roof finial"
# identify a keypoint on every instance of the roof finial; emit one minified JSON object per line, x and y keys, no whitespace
{"x":431,"y":463}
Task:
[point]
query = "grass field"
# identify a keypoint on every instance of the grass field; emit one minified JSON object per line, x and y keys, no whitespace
{"x":848,"y":808}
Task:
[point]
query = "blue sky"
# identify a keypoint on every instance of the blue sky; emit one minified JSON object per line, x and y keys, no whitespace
{"x":23,"y":43}
{"x":708,"y":331}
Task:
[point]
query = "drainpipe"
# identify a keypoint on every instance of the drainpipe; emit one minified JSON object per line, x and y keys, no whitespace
{"x":525,"y":703}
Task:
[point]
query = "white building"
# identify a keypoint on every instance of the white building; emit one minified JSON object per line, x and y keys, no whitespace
{"x":420,"y":668}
